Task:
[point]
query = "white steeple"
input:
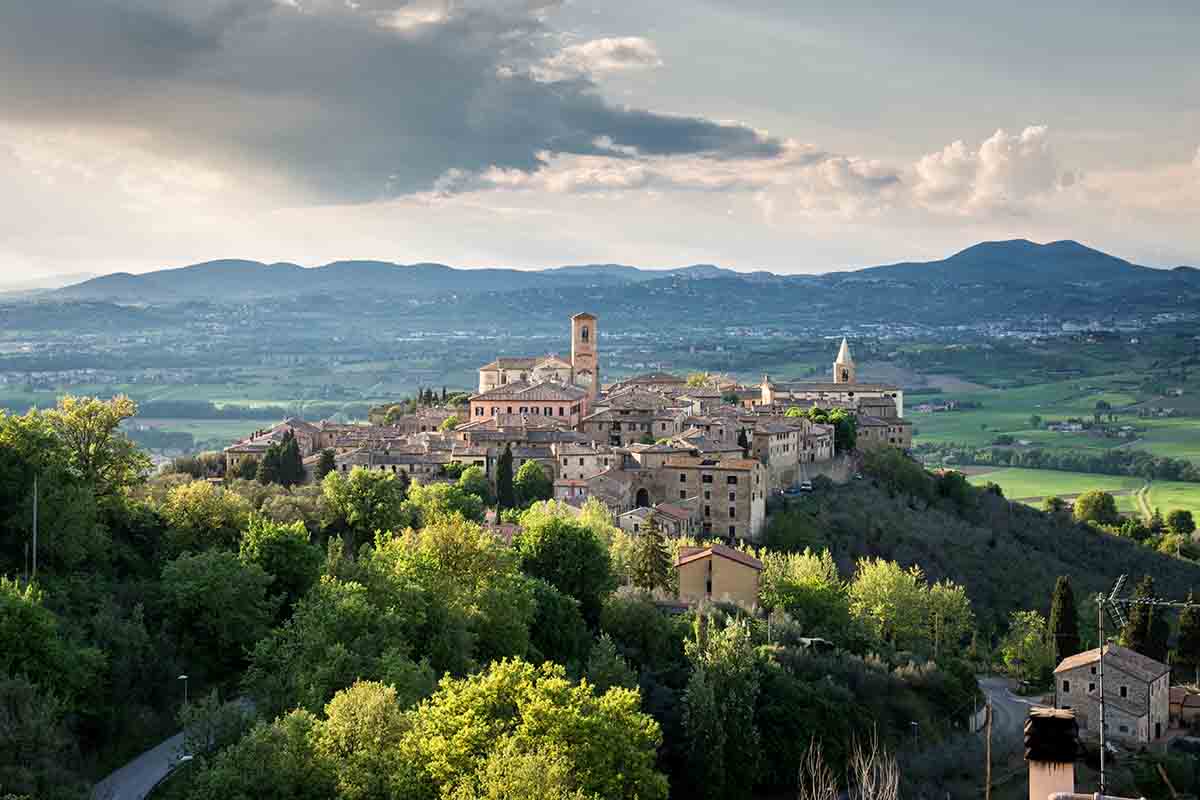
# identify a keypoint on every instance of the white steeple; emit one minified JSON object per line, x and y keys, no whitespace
{"x":843,"y":356}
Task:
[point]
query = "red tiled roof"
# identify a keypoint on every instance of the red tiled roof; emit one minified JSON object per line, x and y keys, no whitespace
{"x":717,"y":550}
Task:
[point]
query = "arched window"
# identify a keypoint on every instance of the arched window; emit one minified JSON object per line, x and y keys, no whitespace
{"x":583,"y":333}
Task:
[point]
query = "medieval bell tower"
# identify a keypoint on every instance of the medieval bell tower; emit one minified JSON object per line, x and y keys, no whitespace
{"x":843,"y":368}
{"x":585,"y":361}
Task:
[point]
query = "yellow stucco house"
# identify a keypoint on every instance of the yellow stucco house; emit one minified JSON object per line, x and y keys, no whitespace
{"x":718,"y":573}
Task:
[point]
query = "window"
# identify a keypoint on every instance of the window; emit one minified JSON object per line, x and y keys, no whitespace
{"x":732,"y":496}
{"x":583,"y":333}
{"x":732,"y":530}
{"x":732,"y":512}
{"x":1124,"y":691}
{"x":731,"y":480}
{"x":708,"y":511}
{"x":1066,"y":687}
{"x":581,"y":462}
{"x":562,"y":411}
{"x":1091,"y":687}
{"x":1123,"y":728}
{"x":706,"y":478}
{"x":682,"y":494}
{"x":682,"y":477}
{"x":564,"y":462}
{"x":1093,"y":670}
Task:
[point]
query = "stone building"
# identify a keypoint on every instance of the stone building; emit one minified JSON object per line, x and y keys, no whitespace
{"x":561,"y":402}
{"x":1136,"y":693}
{"x":732,"y":492}
{"x":844,"y":390}
{"x":582,"y":370}
{"x":718,"y":573}
{"x":874,"y":431}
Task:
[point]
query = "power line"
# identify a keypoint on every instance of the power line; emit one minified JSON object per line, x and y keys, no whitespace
{"x":1114,"y":604}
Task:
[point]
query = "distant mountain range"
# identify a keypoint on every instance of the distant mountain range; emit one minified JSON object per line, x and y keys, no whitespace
{"x":1016,"y":264}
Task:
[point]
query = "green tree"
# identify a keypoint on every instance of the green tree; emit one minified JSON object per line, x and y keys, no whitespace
{"x":1064,"y":620}
{"x":326,"y":464}
{"x":557,"y":632}
{"x":100,"y":454}
{"x":362,"y":739}
{"x":337,"y":634}
{"x":892,"y":601}
{"x":696,"y":380}
{"x":427,"y":501}
{"x":719,"y":703}
{"x":608,"y":742}
{"x":1147,"y":629}
{"x":505,"y":495}
{"x":1054,"y":505}
{"x":1187,"y":648}
{"x":809,"y":589}
{"x":1097,"y":507}
{"x":950,"y":617}
{"x":291,"y":462}
{"x":531,"y":484}
{"x":474,"y":481}
{"x":743,"y":442}
{"x":606,"y":667}
{"x":33,"y":644}
{"x":275,"y":761}
{"x":450,"y":423}
{"x":363,"y":502}
{"x":1027,"y":650}
{"x":1180,"y":522}
{"x":285,"y":553}
{"x":569,"y":556}
{"x":650,"y":565}
{"x":38,"y":758}
{"x":216,"y":607}
{"x":201,"y":516}
{"x":794,"y":411}
{"x":247,"y":469}
{"x":1035,"y":421}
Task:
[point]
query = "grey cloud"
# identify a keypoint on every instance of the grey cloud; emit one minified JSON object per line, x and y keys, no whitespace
{"x":350,"y":102}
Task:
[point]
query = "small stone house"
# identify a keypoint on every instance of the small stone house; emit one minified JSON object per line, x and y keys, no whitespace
{"x":1136,"y":694}
{"x":718,"y":573}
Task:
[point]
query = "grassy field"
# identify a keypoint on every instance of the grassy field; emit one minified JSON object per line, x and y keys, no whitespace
{"x":1031,"y":485}
{"x":1019,"y":484}
{"x":1009,"y":411}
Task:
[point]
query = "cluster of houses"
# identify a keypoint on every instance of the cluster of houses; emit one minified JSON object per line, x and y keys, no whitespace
{"x":650,"y":445}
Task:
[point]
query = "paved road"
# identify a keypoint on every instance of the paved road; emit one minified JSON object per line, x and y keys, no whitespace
{"x":135,"y":780}
{"x":1008,"y":710}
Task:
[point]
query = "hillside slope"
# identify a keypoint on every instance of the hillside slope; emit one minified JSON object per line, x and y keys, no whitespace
{"x":1007,"y":555}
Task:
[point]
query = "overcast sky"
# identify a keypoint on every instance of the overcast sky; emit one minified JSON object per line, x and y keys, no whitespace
{"x":791,"y":135}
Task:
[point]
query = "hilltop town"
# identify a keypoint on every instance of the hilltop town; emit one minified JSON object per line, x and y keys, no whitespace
{"x":703,"y":451}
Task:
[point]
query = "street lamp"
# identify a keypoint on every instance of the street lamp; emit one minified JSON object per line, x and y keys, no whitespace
{"x":184,"y":678}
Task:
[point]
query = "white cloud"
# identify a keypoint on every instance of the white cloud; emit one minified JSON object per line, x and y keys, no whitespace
{"x":598,"y":57}
{"x":1005,"y":174}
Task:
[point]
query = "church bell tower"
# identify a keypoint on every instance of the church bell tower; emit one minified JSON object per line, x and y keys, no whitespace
{"x":585,"y":359}
{"x":843,"y":368}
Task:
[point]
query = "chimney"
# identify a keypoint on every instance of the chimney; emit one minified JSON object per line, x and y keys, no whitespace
{"x":1051,"y":746}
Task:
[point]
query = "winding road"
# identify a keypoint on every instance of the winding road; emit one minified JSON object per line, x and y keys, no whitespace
{"x":135,"y":780}
{"x":1008,"y":710}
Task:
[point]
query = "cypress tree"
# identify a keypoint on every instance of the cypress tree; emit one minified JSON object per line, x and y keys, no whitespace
{"x":504,"y":480}
{"x":268,"y":468}
{"x":291,"y":464}
{"x":650,"y":565}
{"x":1064,"y":621}
{"x":1187,"y":651}
{"x":1147,"y":630}
{"x":327,"y":464}
{"x":744,"y":443}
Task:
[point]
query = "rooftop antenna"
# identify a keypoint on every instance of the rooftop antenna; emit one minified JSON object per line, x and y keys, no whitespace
{"x":1114,"y":604}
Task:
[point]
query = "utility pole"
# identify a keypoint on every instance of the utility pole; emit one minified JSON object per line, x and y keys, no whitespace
{"x":987,"y":792}
{"x":35,"y":531}
{"x":1103,"y":725}
{"x":1114,"y":604}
